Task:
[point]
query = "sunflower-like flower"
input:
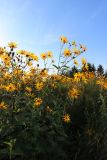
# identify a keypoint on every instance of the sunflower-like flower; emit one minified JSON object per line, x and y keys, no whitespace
{"x":49,"y":54}
{"x":66,"y":118}
{"x":6,"y":59}
{"x":3,"y":105}
{"x":102,"y":82}
{"x":38,"y":102}
{"x":12,"y":45}
{"x":83,"y":60}
{"x":83,"y":47}
{"x":22,"y":52}
{"x":67,"y":52}
{"x":43,"y":56}
{"x":33,"y":56}
{"x":39,"y":86}
{"x":2,"y":50}
{"x":10,"y":88}
{"x":76,"y":62}
{"x":73,"y":43}
{"x":76,"y":51}
{"x":63,"y":39}
{"x":29,"y":64}
{"x":43,"y":72}
{"x":73,"y":93}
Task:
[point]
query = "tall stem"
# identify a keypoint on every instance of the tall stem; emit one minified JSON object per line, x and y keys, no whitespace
{"x":60,"y":56}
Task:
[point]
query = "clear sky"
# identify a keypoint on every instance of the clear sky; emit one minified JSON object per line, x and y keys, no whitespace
{"x":36,"y":25}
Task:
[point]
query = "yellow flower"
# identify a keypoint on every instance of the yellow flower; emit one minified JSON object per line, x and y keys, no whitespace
{"x":33,"y":70}
{"x":38,"y":102}
{"x":29,"y":63}
{"x":76,"y":62}
{"x":76,"y":51}
{"x":12,"y":45}
{"x":73,"y":43}
{"x":43,"y":72}
{"x":63,"y":39}
{"x":78,"y":76}
{"x":49,"y":54}
{"x":7,"y":76}
{"x":23,"y":52}
{"x":39,"y":86}
{"x":85,"y":67}
{"x":102,"y":83}
{"x":2,"y":50}
{"x":3,"y":105}
{"x":67,"y":52}
{"x":28,"y":54}
{"x":83,"y":47}
{"x":73,"y":93}
{"x":83,"y":60}
{"x":43,"y":56}
{"x":105,"y":85}
{"x":6,"y":59}
{"x":17,"y":71}
{"x":34,"y":57}
{"x":66,"y":118}
{"x":84,"y":79}
{"x":90,"y":75}
{"x":10,"y":88}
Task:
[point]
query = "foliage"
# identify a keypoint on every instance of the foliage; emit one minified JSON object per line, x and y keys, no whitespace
{"x":100,"y":70}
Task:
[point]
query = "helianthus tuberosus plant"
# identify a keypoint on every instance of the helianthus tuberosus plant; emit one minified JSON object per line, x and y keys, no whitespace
{"x":50,"y":116}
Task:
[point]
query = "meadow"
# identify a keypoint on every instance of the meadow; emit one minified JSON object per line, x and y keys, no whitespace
{"x":51,"y":116}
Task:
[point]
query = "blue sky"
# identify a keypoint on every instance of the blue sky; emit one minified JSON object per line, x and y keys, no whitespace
{"x":36,"y":25}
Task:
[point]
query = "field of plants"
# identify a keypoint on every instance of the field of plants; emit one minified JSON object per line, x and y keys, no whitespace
{"x":51,"y":116}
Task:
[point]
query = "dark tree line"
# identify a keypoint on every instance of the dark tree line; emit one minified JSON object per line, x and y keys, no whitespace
{"x":99,"y":71}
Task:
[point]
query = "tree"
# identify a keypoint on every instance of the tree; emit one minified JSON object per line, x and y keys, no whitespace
{"x":100,"y":70}
{"x":105,"y":74}
{"x":73,"y":71}
{"x":91,"y":67}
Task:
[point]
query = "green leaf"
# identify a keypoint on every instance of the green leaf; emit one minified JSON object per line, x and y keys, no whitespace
{"x":56,"y":66}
